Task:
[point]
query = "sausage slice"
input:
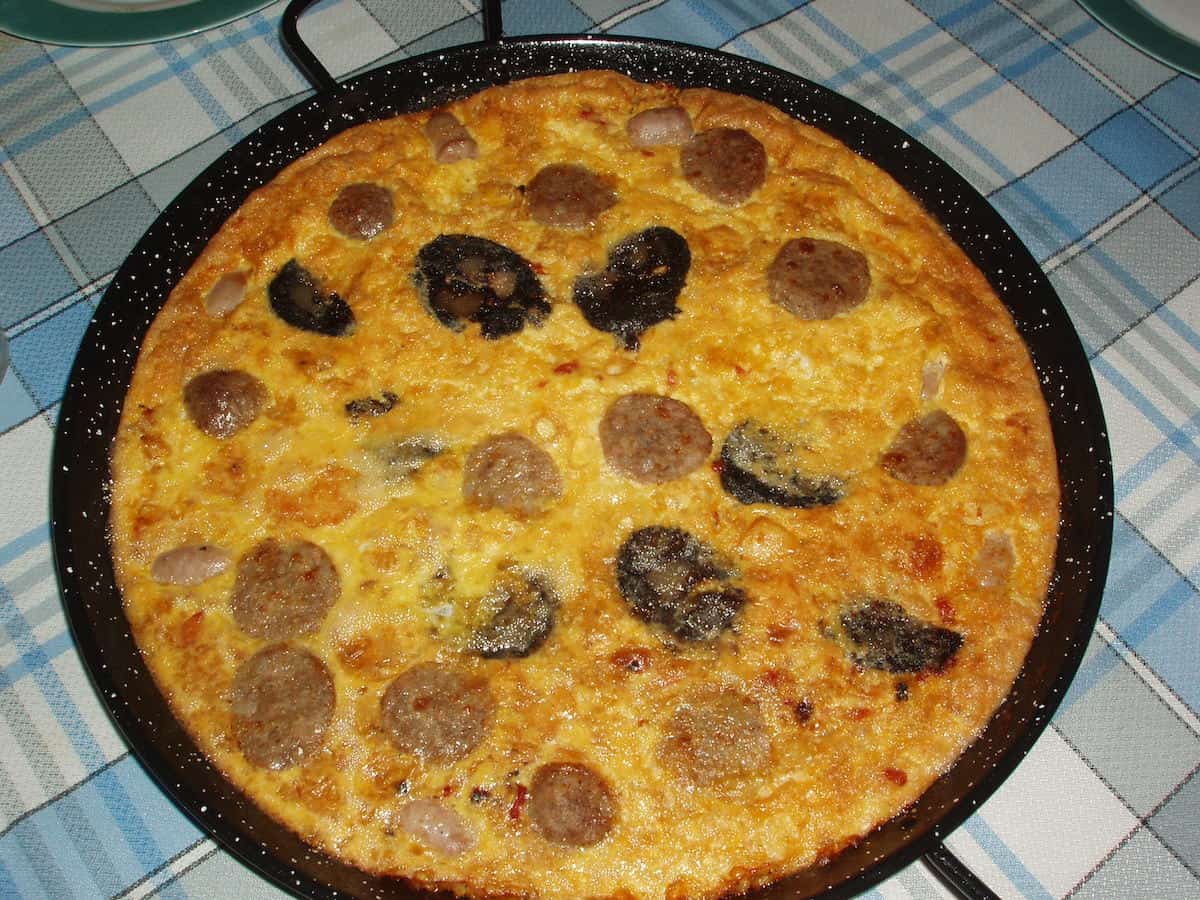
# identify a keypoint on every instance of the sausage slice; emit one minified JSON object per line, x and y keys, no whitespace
{"x":436,"y":713}
{"x":928,"y":451}
{"x":448,"y":138}
{"x":282,"y":702}
{"x":566,"y":195}
{"x":223,"y":401}
{"x":462,"y":278}
{"x":639,"y":287}
{"x":713,"y":735}
{"x":658,"y":126}
{"x":672,"y":578}
{"x":884,"y":636}
{"x":283,"y":589}
{"x":760,"y":466}
{"x":437,"y":826}
{"x":653,"y":439}
{"x":570,"y":803}
{"x":725,"y":164}
{"x":189,"y":564}
{"x":525,"y":618}
{"x":362,"y":210}
{"x":817,"y":279}
{"x":297,"y":297}
{"x":513,"y":473}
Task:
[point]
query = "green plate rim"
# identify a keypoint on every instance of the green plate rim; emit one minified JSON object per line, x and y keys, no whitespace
{"x":1132,"y":24}
{"x":52,"y":23}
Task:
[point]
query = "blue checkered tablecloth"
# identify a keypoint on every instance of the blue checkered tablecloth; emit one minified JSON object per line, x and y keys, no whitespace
{"x":1084,"y":144}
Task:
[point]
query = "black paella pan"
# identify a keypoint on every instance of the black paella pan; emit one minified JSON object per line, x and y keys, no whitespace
{"x":92,"y":406}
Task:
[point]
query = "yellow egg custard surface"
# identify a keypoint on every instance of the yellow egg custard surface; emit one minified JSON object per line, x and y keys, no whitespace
{"x":615,"y":669}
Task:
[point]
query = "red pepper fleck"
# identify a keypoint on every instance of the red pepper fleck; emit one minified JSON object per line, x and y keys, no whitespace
{"x":631,"y":659}
{"x":538,"y":268}
{"x":514,"y":811}
{"x":566,"y":368}
{"x":946,"y":610}
{"x":542,"y":383}
{"x":859,"y":713}
{"x":741,"y":370}
{"x":648,"y":153}
{"x":777,"y":634}
{"x":190,"y":629}
{"x":672,"y":378}
{"x":895,"y":776}
{"x":449,"y":789}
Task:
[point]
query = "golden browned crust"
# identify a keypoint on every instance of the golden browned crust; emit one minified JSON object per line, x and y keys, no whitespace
{"x":304,"y":470}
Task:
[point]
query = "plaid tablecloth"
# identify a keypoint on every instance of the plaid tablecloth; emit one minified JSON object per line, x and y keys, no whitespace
{"x":1085,"y":145}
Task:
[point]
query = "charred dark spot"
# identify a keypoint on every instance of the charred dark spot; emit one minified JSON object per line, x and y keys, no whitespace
{"x":365,"y":407}
{"x":402,"y":788}
{"x":886,"y":637}
{"x":462,"y":278}
{"x":901,"y":691}
{"x":527,"y":609}
{"x":639,"y":287}
{"x":804,"y":711}
{"x":297,"y":298}
{"x":671,"y":578}
{"x":759,"y":466}
{"x":478,"y":795}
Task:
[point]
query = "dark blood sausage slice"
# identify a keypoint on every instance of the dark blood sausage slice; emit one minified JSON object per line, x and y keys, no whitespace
{"x":669,"y":577}
{"x":816,"y":279}
{"x":364,"y":407}
{"x":886,"y":637}
{"x":725,"y":164}
{"x":527,"y":608}
{"x":462,"y":278}
{"x":653,"y":439}
{"x":282,"y":702}
{"x":224,"y":401}
{"x":639,"y":286}
{"x":362,"y":210}
{"x":570,"y":803}
{"x":297,"y":298}
{"x":566,"y":195}
{"x":757,"y":466}
{"x":928,"y":451}
{"x":715,"y":734}
{"x":283,"y":589}
{"x":513,"y":473}
{"x":437,"y":713}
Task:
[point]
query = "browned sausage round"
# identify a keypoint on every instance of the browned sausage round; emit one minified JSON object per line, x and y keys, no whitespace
{"x":929,"y":450}
{"x":816,"y":279}
{"x":224,"y":401}
{"x":725,"y":164}
{"x":565,"y":195}
{"x":284,"y":589}
{"x":653,"y":439}
{"x":362,"y":210}
{"x":511,"y":472}
{"x":570,"y":803}
{"x":282,"y":701}
{"x":713,"y":735}
{"x":436,"y":713}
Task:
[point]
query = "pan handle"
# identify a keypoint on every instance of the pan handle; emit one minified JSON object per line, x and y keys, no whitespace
{"x":316,"y":73}
{"x":956,"y":877}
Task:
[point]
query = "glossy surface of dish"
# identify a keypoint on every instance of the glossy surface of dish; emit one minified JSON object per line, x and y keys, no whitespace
{"x":636,"y":481}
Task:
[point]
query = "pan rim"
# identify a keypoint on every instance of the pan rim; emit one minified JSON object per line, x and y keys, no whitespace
{"x":337,"y":105}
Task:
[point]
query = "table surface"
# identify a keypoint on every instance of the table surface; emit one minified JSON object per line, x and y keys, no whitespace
{"x":1085,"y":145}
